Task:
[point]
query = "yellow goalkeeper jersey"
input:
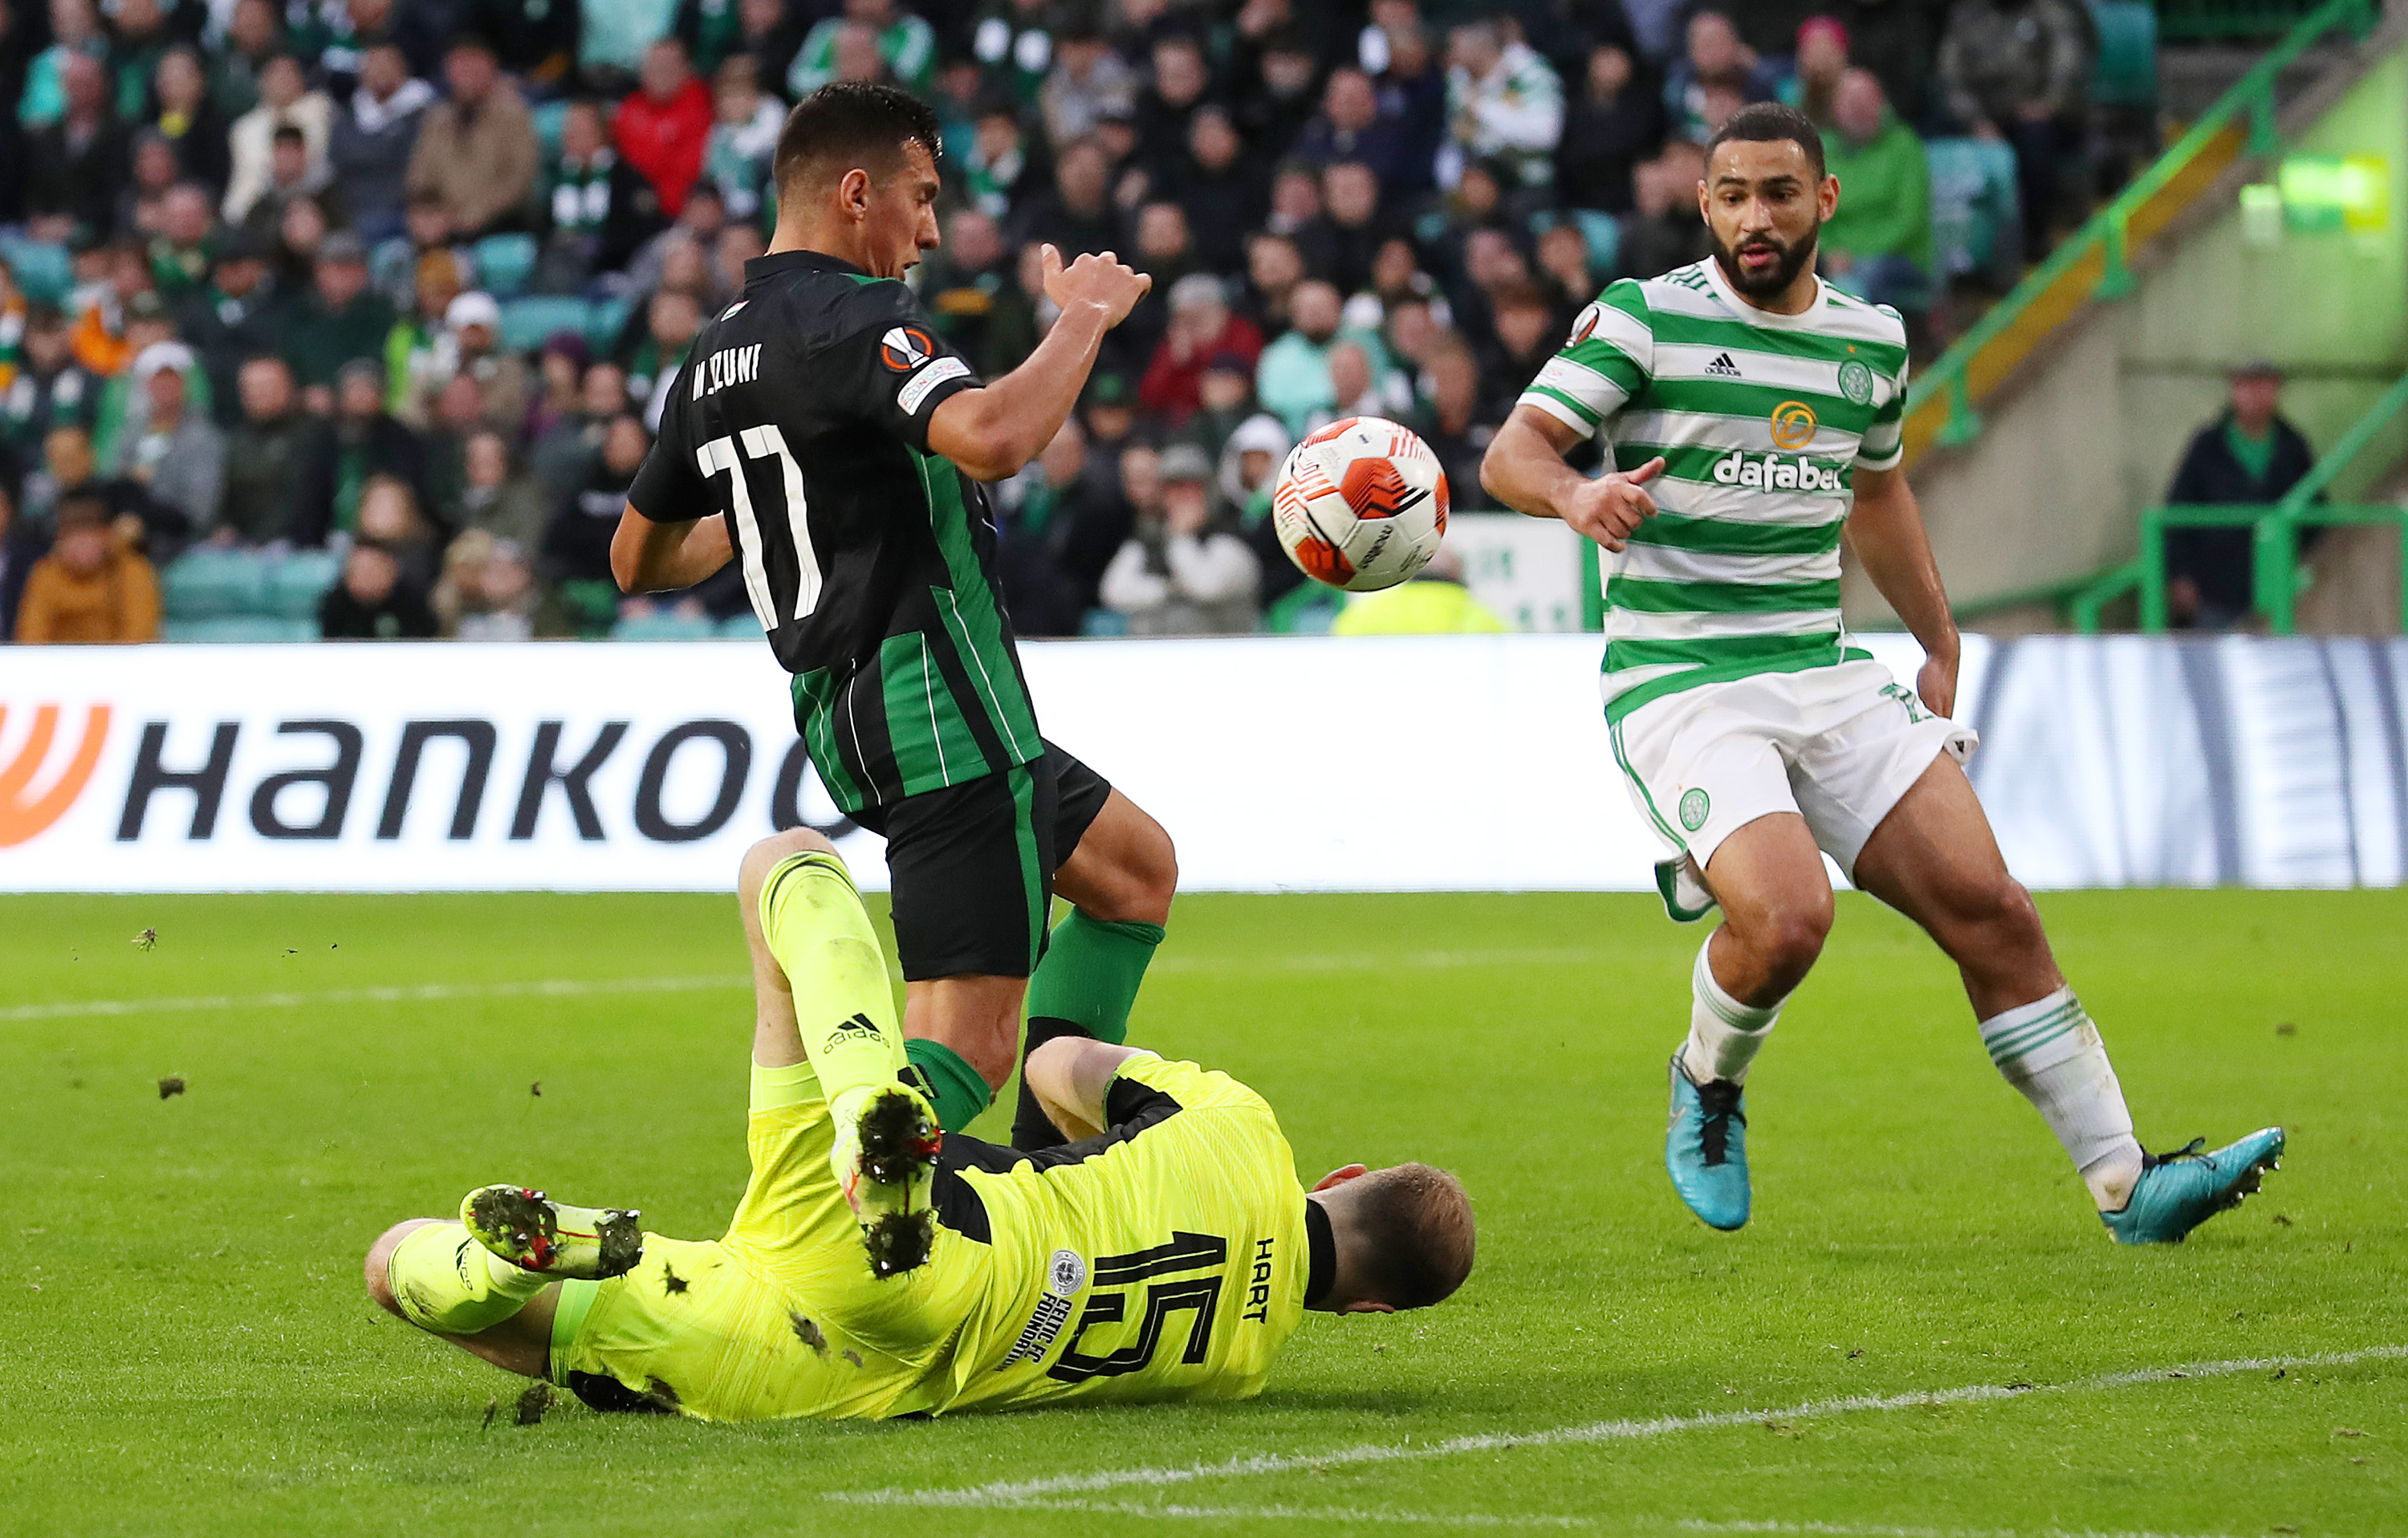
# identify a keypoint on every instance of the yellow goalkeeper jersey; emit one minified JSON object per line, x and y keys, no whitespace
{"x":1169,"y":1258}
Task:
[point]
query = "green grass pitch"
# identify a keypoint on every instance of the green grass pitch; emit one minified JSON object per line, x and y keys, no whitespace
{"x":185,"y":1347}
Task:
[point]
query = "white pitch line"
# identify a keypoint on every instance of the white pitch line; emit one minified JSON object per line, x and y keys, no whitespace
{"x":577,"y":988}
{"x":1007,"y":1492}
{"x":418,"y":994}
{"x":1380,"y":1517}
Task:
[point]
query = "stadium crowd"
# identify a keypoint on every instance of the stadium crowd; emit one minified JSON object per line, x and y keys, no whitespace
{"x":353,"y":317}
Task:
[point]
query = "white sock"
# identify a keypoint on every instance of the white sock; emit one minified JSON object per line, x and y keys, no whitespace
{"x":2049,"y":1050}
{"x":1724,"y":1033}
{"x":511,"y":1280}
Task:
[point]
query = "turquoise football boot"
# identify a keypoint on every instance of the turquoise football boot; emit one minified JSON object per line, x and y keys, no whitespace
{"x":2179,"y":1191}
{"x":1705,"y":1148}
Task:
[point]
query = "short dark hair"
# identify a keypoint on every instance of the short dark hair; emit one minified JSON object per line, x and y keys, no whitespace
{"x":1769,"y":122}
{"x":1418,"y":1224}
{"x":849,"y":124}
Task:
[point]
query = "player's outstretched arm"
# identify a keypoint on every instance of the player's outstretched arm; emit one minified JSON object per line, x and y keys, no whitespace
{"x":650,"y":558}
{"x":1886,"y":532}
{"x":1524,"y":469}
{"x":991,"y":431}
{"x":1070,"y":1076}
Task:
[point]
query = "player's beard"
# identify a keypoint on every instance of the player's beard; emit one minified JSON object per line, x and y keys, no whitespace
{"x":1794,"y":259}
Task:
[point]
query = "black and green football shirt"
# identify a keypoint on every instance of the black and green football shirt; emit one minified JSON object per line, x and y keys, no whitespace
{"x":802,"y":414}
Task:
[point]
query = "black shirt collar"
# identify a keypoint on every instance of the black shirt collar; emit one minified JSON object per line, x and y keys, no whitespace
{"x":758,"y":267}
{"x":1320,"y":1274}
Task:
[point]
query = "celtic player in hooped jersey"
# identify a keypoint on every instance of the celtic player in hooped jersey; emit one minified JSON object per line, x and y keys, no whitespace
{"x":1754,"y":417}
{"x":1168,"y":1252}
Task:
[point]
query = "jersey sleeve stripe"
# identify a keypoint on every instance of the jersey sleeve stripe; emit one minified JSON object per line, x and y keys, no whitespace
{"x":1561,"y":407}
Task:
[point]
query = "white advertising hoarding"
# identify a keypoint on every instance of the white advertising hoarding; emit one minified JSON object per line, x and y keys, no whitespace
{"x":1278,"y":763}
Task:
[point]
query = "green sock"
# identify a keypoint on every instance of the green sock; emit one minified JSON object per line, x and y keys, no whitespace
{"x":1090,"y":974}
{"x":1085,"y":986}
{"x":448,"y":1282}
{"x":951,"y":1086}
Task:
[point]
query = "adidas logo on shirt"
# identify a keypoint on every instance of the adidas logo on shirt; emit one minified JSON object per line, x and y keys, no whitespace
{"x":1723,"y":366}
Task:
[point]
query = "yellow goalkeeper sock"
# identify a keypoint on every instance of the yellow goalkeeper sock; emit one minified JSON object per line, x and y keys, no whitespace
{"x":820,"y":936}
{"x":448,"y":1282}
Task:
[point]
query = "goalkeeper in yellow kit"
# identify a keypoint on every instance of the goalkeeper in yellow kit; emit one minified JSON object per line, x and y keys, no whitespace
{"x":878,"y":1268}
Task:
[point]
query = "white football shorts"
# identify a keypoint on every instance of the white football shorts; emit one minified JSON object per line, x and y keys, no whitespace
{"x":1838,"y":745}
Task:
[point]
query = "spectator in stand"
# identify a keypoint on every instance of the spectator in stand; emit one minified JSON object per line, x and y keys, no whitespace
{"x":1898,"y":43}
{"x":663,"y":126}
{"x":1351,"y":126}
{"x":372,"y":602}
{"x":178,"y":252}
{"x":1273,"y":111}
{"x":1292,"y":380}
{"x":1663,"y":229}
{"x":389,"y":520}
{"x":487,"y":592}
{"x":92,"y":587}
{"x":1878,"y":243}
{"x":673,"y":317}
{"x":856,"y":56}
{"x":285,"y":101}
{"x":176,"y":453}
{"x":1524,"y":333}
{"x":1352,"y":227}
{"x":265,"y":456}
{"x":1504,"y":101}
{"x":1564,"y":270}
{"x":237,"y":314}
{"x":1038,"y":511}
{"x":1435,"y":602}
{"x":1076,"y":216}
{"x":577,"y":544}
{"x":1412,"y":82}
{"x":1088,"y":79}
{"x":147,"y":325}
{"x":743,"y":137}
{"x":1273,"y":268}
{"x":1813,"y":89}
{"x":372,"y":141}
{"x":411,"y":347}
{"x":969,"y":289}
{"x":1179,"y":575}
{"x":2019,"y":70}
{"x":1166,"y":250}
{"x":1182,"y":80}
{"x":70,"y":469}
{"x":73,"y":166}
{"x":236,"y":65}
{"x":1617,"y":121}
{"x":907,"y":47}
{"x":1246,"y":474}
{"x":138,"y":39}
{"x":19,"y":548}
{"x":476,"y":149}
{"x":1201,"y":327}
{"x":183,"y":115}
{"x":496,"y":497}
{"x":1296,"y":212}
{"x":598,"y":209}
{"x":1716,"y":59}
{"x":74,"y":29}
{"x":1228,"y":401}
{"x":1453,"y":427}
{"x":292,"y":175}
{"x":471,"y":344}
{"x":51,"y":389}
{"x":2250,"y":454}
{"x":340,"y":320}
{"x":998,"y":172}
{"x":560,"y":364}
{"x":144,"y":196}
{"x":611,"y":38}
{"x":362,"y":441}
{"x":1223,"y":193}
{"x":563,"y":457}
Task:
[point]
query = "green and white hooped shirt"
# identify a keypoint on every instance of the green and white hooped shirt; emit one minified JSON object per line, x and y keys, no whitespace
{"x":1762,"y":420}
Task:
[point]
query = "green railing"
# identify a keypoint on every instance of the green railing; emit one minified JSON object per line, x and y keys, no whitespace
{"x":2188,"y":20}
{"x":2275,"y":581}
{"x":2104,"y":240}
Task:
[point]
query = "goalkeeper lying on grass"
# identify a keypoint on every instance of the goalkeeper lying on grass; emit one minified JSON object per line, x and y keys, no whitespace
{"x":878,"y":1268}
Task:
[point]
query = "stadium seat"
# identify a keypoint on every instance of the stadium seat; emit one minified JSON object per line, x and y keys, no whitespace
{"x":1972,"y":205}
{"x":549,"y":117}
{"x":209,"y":585}
{"x":604,"y":320}
{"x":664,"y":626}
{"x":45,"y":272}
{"x":1103,"y":621}
{"x":1600,"y":229}
{"x":295,"y":584}
{"x":240,"y":627}
{"x":528,"y":319}
{"x":503,"y":263}
{"x":2126,"y":74}
{"x":740,"y":628}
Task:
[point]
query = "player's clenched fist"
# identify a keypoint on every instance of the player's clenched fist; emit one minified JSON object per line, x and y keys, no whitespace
{"x":1102,"y":279}
{"x":1608,"y":509}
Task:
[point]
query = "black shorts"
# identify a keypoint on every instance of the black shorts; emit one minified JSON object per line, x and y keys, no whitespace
{"x":973,"y":865}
